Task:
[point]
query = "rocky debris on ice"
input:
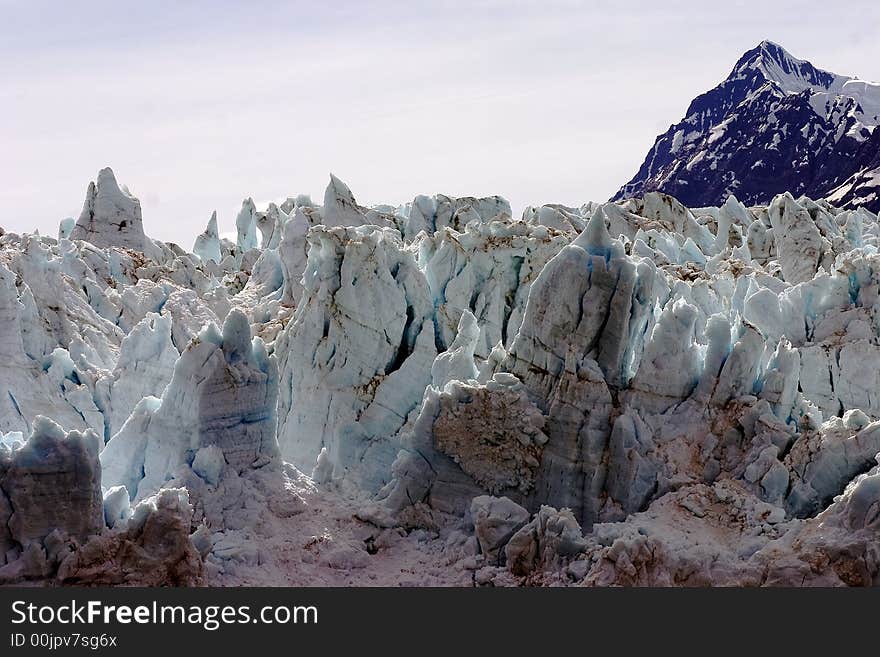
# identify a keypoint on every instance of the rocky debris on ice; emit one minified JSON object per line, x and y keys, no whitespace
{"x":153,"y":548}
{"x":274,"y":527}
{"x":720,"y":535}
{"x":546,"y":543}
{"x":700,"y":535}
{"x":495,"y":520}
{"x":712,"y":533}
{"x":469,"y":438}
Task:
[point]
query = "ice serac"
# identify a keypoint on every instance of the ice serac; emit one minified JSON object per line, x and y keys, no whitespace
{"x":487,"y":271}
{"x":207,"y":245}
{"x":246,"y":226}
{"x":65,"y":228}
{"x":578,"y":343}
{"x":640,"y":376}
{"x":457,"y":362}
{"x":145,"y":365}
{"x":51,"y":483}
{"x":574,"y":350}
{"x":45,"y":382}
{"x":798,"y":241}
{"x":671,"y":364}
{"x":824,"y":463}
{"x":111,"y":216}
{"x":340,"y":206}
{"x":293,"y":250}
{"x":270,"y":224}
{"x":11,"y":344}
{"x":356,"y":357}
{"x":222,"y":394}
{"x":430,"y":214}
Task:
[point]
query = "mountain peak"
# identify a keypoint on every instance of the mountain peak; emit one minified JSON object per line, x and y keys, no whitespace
{"x":774,"y":63}
{"x":769,"y":50}
{"x":776,"y":123}
{"x":774,"y":51}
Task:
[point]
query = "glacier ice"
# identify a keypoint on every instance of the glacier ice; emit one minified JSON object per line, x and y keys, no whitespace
{"x":111,"y":217}
{"x":551,"y":535}
{"x":496,"y":519}
{"x":623,"y":393}
{"x":50,"y":483}
{"x":340,"y":207}
{"x":356,"y":356}
{"x":221,"y":394}
{"x":457,"y":362}
{"x":246,"y":226}
{"x":143,"y":368}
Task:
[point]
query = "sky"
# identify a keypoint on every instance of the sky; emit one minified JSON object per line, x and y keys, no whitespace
{"x":198,"y":105}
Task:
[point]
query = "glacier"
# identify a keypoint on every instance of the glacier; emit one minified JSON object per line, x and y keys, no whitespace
{"x":440,"y":393}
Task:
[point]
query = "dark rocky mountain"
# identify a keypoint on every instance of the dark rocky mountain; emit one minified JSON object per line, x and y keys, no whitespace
{"x":775,"y":124}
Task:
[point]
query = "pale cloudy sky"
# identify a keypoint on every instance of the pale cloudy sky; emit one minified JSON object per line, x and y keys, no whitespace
{"x":196,"y":105}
